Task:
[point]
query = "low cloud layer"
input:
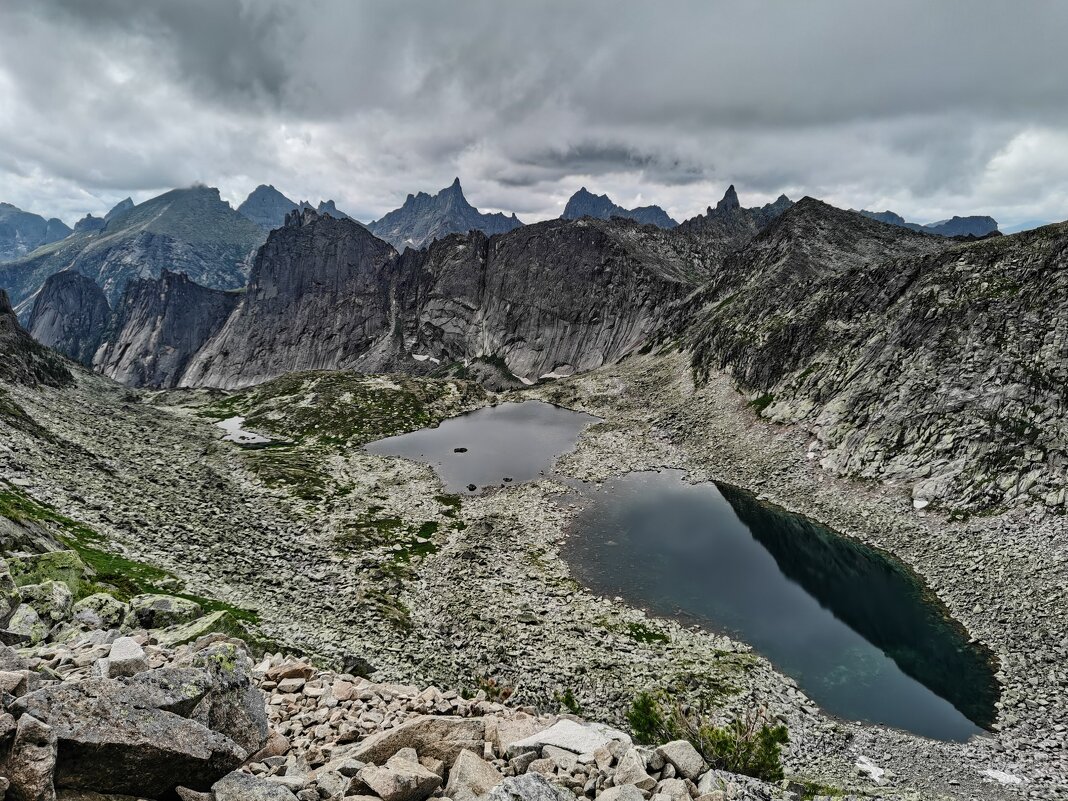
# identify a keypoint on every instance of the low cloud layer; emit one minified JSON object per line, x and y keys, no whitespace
{"x":930,"y":109}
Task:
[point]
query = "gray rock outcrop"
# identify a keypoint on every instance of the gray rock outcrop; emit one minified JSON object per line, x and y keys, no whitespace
{"x":157,"y":327}
{"x":70,"y":315}
{"x":586,"y":204}
{"x":424,"y":218}
{"x":22,"y":232}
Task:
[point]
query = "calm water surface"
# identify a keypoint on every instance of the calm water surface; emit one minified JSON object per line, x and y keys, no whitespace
{"x":492,"y":447}
{"x":853,"y":627}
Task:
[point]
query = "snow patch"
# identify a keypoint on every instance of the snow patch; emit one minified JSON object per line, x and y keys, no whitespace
{"x":234,"y":432}
{"x":870,"y":769}
{"x":1001,"y":776}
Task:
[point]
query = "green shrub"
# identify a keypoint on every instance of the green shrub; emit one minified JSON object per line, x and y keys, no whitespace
{"x":748,"y":746}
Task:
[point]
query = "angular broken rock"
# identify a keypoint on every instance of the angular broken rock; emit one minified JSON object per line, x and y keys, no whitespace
{"x":687,"y":761}
{"x":401,"y":779}
{"x":10,"y":598}
{"x":622,"y":792}
{"x":530,"y":787}
{"x":631,"y":770}
{"x":243,"y":787}
{"x":574,"y":737}
{"x":235,"y":707}
{"x":434,"y":736}
{"x":116,"y":737}
{"x":471,"y":777}
{"x":160,"y":611}
{"x":31,"y":761}
{"x":127,"y":658}
{"x":100,"y":611}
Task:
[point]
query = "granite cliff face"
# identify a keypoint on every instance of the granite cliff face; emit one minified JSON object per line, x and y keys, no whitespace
{"x":552,"y":298}
{"x":586,"y":204}
{"x":22,"y":232}
{"x":70,"y":315}
{"x":157,"y":327}
{"x":186,"y":230}
{"x":319,"y":295}
{"x":927,"y":363}
{"x":424,"y":218}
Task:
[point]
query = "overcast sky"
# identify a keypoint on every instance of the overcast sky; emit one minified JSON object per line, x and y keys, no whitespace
{"x":927,"y":108}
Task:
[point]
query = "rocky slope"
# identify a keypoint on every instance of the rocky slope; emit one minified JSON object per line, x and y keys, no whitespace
{"x":319,"y":296}
{"x":976,"y":226}
{"x":22,"y":232}
{"x":25,"y":361}
{"x":932,"y":365}
{"x":424,"y":218}
{"x":186,"y":230}
{"x":586,"y":204}
{"x":70,"y":315}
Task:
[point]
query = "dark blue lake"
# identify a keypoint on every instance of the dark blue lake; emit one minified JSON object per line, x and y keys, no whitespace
{"x":854,"y":628}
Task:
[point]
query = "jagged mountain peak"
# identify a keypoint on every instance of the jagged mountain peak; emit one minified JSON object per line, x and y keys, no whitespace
{"x":424,"y":218}
{"x":729,"y":201}
{"x":586,"y":204}
{"x":121,"y":207}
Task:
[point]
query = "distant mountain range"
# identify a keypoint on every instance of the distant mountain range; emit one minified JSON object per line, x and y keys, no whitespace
{"x":586,"y":204}
{"x":424,"y":218}
{"x":267,"y":207}
{"x":192,"y":231}
{"x":955,"y":226}
{"x":22,"y":232}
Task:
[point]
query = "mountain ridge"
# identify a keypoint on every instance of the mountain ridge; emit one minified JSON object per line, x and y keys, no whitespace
{"x":423,"y":218}
{"x":586,"y":204}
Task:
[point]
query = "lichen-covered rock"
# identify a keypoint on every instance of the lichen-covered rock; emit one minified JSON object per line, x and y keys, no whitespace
{"x":235,"y":706}
{"x":52,"y":600}
{"x":10,"y":598}
{"x":218,"y":622}
{"x":27,"y":623}
{"x":100,"y":611}
{"x":119,"y":737}
{"x":63,"y":566}
{"x":160,"y":611}
{"x":31,"y":762}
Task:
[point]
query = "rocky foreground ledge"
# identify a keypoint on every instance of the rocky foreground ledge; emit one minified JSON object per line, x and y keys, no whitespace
{"x":106,"y":700}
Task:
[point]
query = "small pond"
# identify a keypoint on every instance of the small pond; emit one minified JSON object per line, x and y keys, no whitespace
{"x":491,"y":447}
{"x":854,"y":628}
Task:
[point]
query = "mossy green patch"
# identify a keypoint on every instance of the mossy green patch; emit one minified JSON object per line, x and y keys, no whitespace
{"x":345,"y":408}
{"x":108,"y":572}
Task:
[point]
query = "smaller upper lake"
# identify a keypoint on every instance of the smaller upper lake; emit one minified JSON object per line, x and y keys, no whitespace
{"x":493,"y":446}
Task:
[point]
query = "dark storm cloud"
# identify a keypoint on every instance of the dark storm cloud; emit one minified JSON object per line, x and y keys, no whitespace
{"x":927,"y":108}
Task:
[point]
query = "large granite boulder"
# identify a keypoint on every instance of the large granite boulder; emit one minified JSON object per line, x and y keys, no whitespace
{"x":130,"y":736}
{"x":430,"y":735}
